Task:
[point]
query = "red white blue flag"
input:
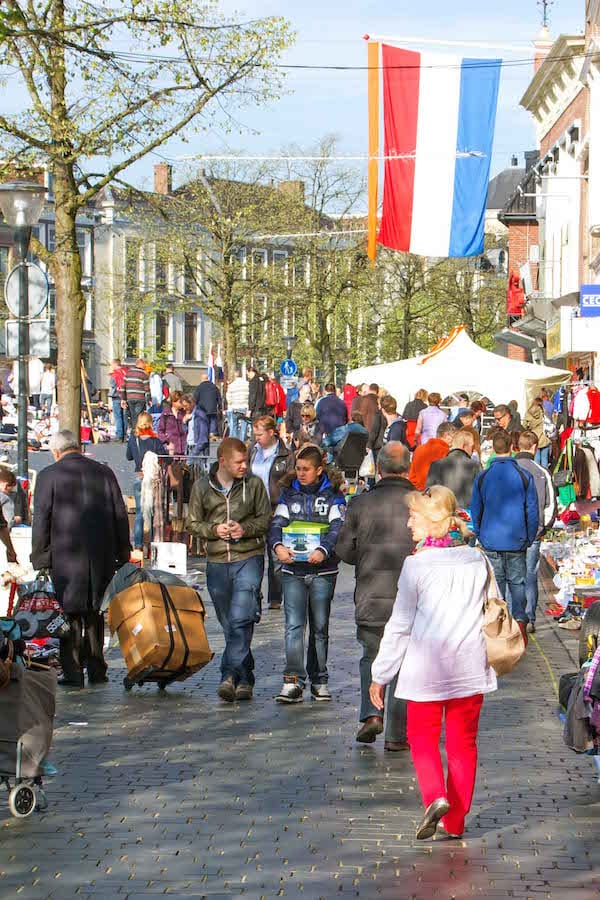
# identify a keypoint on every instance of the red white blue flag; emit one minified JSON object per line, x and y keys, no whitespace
{"x":210,"y":369}
{"x":439,"y":115}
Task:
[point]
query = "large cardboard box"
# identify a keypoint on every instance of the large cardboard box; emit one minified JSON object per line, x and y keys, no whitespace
{"x":155,"y":627}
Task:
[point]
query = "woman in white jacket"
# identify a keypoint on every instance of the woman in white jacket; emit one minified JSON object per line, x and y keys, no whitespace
{"x":434,"y":641}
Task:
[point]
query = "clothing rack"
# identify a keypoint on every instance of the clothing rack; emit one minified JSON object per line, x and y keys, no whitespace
{"x":175,"y":469}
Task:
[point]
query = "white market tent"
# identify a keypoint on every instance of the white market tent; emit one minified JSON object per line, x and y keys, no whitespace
{"x":456,"y":363}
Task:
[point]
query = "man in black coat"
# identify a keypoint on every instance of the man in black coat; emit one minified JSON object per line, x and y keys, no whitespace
{"x":375,"y":539}
{"x":208,"y":397}
{"x":458,"y":470}
{"x":81,"y":535}
{"x":257,"y":403}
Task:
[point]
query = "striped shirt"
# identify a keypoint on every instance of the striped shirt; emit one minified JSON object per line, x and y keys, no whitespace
{"x":136,"y":386}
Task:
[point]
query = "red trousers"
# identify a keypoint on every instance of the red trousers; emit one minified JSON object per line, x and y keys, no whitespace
{"x":424,"y":728}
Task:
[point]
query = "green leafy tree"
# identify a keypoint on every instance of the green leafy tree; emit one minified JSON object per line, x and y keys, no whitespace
{"x":330,"y":302}
{"x":90,"y":112}
{"x":214,"y":231}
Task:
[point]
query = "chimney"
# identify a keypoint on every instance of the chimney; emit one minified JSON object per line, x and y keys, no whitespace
{"x":531,"y":157}
{"x":542,"y":47}
{"x":294,"y":188}
{"x":163,"y":178}
{"x":514,"y":161}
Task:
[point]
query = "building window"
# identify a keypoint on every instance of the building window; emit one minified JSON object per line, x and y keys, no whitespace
{"x":259,"y":258}
{"x":190,"y":337}
{"x":160,"y":276}
{"x":132,"y":269}
{"x":280,"y":266}
{"x":190,"y":280}
{"x":300,"y":273}
{"x":161,"y":330}
{"x":132,"y":332}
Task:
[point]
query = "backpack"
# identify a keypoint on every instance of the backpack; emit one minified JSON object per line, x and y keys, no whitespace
{"x":271,"y":393}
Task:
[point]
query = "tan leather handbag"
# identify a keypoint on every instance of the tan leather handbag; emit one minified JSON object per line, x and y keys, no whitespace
{"x":503,"y":638}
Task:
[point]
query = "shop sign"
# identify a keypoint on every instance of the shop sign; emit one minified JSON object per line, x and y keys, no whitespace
{"x":553,"y":340}
{"x":589,"y":300}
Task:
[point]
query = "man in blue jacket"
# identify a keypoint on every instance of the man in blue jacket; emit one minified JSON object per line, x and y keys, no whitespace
{"x":504,"y":509}
{"x":332,"y":414}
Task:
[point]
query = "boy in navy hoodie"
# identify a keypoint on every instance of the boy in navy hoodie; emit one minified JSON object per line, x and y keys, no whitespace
{"x":312,"y":495}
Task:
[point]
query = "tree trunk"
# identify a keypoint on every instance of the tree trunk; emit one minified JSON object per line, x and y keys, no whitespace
{"x":229,"y":348}
{"x":327,"y":360}
{"x":70,"y":304}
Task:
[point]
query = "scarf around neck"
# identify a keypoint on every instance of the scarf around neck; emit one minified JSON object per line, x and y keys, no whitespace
{"x":453,"y":539}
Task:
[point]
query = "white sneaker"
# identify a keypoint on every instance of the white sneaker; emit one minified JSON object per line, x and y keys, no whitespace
{"x":291,"y":692}
{"x":320,"y":692}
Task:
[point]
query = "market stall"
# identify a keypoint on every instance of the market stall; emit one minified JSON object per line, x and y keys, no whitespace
{"x":458,"y":364}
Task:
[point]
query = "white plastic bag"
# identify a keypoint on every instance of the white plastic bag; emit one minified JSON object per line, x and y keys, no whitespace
{"x":367,"y":468}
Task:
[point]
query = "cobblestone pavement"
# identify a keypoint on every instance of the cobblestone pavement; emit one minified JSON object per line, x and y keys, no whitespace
{"x":181,"y":794}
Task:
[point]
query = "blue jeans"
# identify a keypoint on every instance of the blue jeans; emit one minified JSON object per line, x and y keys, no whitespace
{"x":120,"y":417}
{"x":531,"y":582}
{"x":542,"y":457}
{"x":307,"y":597}
{"x":138,"y":525}
{"x":331,"y":440}
{"x":46,"y":403}
{"x":369,"y":637}
{"x":213,"y":423}
{"x":510,"y":569}
{"x":234,"y":589}
{"x":237,"y":426}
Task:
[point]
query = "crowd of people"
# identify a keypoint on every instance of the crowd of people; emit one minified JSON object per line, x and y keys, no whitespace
{"x":451,"y":511}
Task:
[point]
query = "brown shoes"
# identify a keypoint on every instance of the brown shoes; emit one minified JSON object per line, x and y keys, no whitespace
{"x":396,"y":746}
{"x":369,"y":730}
{"x":226,"y":690}
{"x":243,"y":692}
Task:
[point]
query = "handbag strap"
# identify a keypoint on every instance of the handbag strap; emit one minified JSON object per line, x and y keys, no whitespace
{"x":488,"y":580}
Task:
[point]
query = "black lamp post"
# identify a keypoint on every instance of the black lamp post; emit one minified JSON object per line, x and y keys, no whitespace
{"x":22,"y":203}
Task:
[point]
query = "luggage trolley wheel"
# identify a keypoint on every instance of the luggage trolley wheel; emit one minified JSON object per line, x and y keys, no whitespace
{"x":21,"y":801}
{"x":162,"y":685}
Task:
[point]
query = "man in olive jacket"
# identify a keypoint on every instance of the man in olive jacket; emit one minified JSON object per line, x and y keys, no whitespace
{"x":230,"y":511}
{"x":375,"y":538}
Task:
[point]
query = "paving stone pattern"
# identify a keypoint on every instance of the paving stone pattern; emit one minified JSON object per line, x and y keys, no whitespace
{"x":181,"y":794}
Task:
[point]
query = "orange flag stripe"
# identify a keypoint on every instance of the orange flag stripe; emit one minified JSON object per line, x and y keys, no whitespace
{"x":373,"y":170}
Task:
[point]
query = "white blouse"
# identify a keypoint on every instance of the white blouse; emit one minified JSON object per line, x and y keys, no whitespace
{"x":434,"y":636}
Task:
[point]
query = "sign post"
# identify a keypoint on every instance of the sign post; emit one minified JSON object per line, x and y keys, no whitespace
{"x":589,"y":300}
{"x":288,"y":368}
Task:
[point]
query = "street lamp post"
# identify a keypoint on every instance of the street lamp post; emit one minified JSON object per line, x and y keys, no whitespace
{"x":21,"y":203}
{"x":290,"y":341}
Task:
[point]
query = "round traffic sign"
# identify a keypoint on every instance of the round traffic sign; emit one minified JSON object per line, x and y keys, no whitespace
{"x":288,"y":368}
{"x":38,"y":290}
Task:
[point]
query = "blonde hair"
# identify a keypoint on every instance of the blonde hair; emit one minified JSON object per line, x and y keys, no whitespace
{"x":422,"y":395}
{"x":308,"y":410}
{"x":438,"y":506}
{"x":144,"y":420}
{"x":468,"y":429}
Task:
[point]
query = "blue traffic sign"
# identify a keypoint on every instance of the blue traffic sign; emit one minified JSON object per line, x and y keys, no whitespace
{"x":288,"y":368}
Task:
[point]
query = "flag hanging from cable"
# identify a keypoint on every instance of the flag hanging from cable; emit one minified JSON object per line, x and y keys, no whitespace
{"x":219,"y":363}
{"x":439,"y":114}
{"x":210,"y":369}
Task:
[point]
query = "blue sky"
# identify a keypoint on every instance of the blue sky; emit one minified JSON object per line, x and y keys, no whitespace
{"x":319,"y":103}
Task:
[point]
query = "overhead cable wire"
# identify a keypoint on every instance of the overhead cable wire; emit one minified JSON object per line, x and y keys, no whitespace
{"x":471,"y":64}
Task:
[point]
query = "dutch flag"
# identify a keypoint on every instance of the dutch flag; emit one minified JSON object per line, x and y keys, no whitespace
{"x":439,"y":116}
{"x":210,"y":369}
